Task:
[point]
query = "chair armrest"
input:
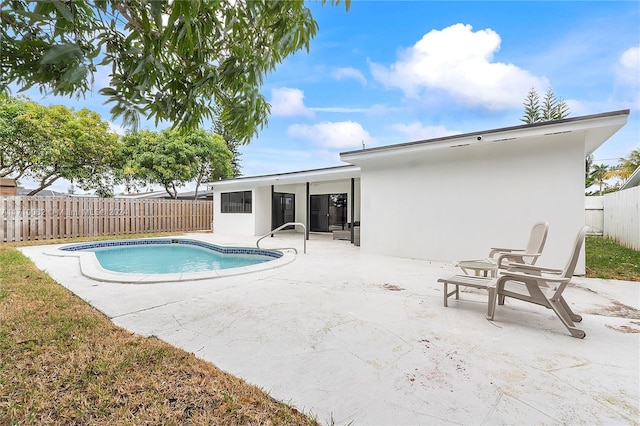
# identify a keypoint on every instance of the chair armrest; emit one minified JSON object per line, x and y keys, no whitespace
{"x":517,"y":256}
{"x":506,"y":276}
{"x":495,"y":250}
{"x":532,"y":268}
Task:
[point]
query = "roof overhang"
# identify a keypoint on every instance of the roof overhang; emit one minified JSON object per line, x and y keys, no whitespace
{"x":300,"y":177}
{"x":634,"y":180}
{"x":597,"y":129}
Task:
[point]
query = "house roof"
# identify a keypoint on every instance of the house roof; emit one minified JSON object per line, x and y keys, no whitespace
{"x":203,"y":194}
{"x":42,"y":193}
{"x":315,"y":175}
{"x":634,"y":180}
{"x":597,"y":127}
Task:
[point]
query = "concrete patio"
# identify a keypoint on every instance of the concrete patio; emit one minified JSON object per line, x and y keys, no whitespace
{"x":351,"y":337}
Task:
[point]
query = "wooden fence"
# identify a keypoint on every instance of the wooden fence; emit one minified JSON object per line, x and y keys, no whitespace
{"x":24,"y":218}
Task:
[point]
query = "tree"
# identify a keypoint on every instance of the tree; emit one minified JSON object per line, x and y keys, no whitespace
{"x":626,"y":166}
{"x":213,"y":158}
{"x":55,"y":142}
{"x":552,"y":107}
{"x":172,"y":159}
{"x":588,"y":180}
{"x":232,"y":143}
{"x":168,"y":60}
{"x":19,"y":135}
{"x":531,"y":107}
{"x":599,"y":176}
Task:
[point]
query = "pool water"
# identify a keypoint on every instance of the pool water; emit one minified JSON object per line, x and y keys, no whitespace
{"x":170,"y":258}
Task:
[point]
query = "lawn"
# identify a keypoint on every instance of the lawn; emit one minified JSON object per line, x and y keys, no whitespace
{"x":606,"y":259}
{"x":63,"y":362}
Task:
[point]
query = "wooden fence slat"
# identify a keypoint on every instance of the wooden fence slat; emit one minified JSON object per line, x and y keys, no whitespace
{"x":39,"y":218}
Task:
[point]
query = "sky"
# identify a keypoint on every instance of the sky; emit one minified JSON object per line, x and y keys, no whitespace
{"x":389,"y":72}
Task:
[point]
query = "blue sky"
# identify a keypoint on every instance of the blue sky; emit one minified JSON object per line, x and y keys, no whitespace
{"x":388,"y":72}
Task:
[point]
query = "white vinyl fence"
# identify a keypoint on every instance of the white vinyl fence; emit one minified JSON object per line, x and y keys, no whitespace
{"x":594,"y":214}
{"x":617,"y":214}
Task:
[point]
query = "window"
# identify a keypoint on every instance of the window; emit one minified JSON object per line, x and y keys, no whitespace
{"x":235,"y":202}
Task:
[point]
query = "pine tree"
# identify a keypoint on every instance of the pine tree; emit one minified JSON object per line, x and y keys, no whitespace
{"x":552,"y":107}
{"x":531,"y":107}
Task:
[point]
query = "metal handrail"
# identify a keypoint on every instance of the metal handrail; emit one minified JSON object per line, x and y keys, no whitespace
{"x":280,"y":228}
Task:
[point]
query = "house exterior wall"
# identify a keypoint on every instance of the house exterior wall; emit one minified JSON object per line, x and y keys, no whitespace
{"x":234,"y":223}
{"x":258,"y":222}
{"x":340,"y":187}
{"x":455,"y":203}
{"x":262,"y":210}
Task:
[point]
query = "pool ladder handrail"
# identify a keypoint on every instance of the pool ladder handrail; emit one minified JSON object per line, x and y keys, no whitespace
{"x":280,"y":228}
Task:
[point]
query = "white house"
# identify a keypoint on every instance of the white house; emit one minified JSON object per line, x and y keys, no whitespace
{"x":441,"y":199}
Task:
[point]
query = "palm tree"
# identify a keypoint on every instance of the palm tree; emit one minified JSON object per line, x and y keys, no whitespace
{"x":626,"y":166}
{"x":599,"y":175}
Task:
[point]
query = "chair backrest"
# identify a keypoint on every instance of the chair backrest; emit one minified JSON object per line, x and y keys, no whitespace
{"x":573,"y":260}
{"x":537,"y":238}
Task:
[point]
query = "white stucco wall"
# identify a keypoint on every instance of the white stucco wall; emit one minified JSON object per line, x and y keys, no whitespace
{"x":455,"y":203}
{"x":262,"y":204}
{"x":233,"y":223}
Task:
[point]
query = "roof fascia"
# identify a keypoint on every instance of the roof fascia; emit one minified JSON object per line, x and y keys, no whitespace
{"x":615,"y":119}
{"x":634,"y":180}
{"x":316,"y":175}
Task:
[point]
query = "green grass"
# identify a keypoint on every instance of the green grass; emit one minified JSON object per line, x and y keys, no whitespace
{"x":608,"y":260}
{"x":63,"y":362}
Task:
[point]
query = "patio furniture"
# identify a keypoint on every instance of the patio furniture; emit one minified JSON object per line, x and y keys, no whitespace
{"x":528,"y":255}
{"x":345,"y":234}
{"x":469,"y":281}
{"x":342,"y":234}
{"x":544,"y":286}
{"x":480,"y":267}
{"x":501,"y":257}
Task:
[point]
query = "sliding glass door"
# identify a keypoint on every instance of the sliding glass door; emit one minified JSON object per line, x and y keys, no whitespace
{"x":328,"y":212}
{"x":284,"y":209}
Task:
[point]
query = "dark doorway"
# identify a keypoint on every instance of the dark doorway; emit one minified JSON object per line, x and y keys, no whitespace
{"x":328,"y":212}
{"x":284,"y":209}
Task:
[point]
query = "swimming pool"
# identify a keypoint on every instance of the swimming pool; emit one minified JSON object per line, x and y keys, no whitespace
{"x":167,"y":259}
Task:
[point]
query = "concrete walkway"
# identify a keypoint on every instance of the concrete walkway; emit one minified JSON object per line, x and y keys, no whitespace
{"x":350,"y":337}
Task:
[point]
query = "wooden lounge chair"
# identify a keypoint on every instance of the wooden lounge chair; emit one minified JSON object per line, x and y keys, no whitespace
{"x":543,"y":286}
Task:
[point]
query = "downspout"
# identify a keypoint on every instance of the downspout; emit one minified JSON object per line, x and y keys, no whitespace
{"x":308,"y":213}
{"x":272,"y":219}
{"x":353,"y":209}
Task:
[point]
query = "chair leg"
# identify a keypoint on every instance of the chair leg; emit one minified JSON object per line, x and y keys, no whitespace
{"x":447,"y":293}
{"x":558,"y":308}
{"x":491,"y":308}
{"x":575,"y":317}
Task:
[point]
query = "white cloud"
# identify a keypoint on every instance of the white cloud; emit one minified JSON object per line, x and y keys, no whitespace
{"x":289,"y":102}
{"x":416,"y":131}
{"x":460,"y":62}
{"x":342,"y":134}
{"x":116,"y":128}
{"x":629,"y":67}
{"x":631,"y":59}
{"x":348,"y":72}
{"x":343,"y":110}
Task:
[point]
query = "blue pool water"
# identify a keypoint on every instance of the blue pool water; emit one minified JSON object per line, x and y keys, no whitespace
{"x":166,"y":256}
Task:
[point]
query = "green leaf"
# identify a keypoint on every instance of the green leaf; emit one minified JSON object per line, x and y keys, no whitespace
{"x":64,"y":10}
{"x":61,"y":53}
